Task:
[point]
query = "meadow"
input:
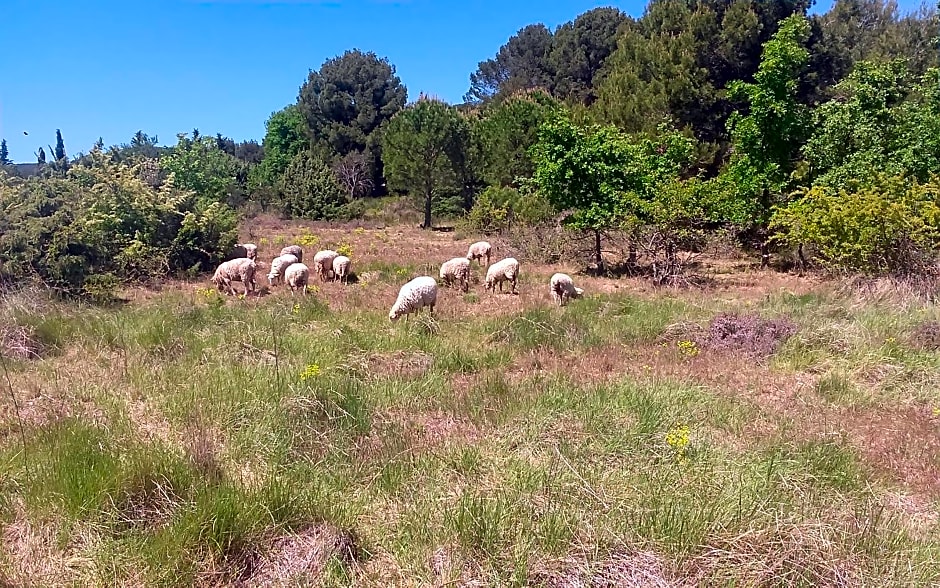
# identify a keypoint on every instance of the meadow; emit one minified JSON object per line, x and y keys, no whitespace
{"x":185,"y":437}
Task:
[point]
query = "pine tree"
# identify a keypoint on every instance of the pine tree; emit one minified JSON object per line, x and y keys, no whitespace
{"x":59,"y":146}
{"x":4,"y":153}
{"x":42,"y":157}
{"x":99,"y":144}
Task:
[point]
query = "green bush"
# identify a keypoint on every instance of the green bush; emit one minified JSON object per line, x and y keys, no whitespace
{"x":891,"y":227}
{"x":310,"y":190}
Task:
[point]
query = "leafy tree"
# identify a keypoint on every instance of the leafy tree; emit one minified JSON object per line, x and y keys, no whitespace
{"x":4,"y":153}
{"x":880,"y":123}
{"x":284,"y":138}
{"x":200,"y":166}
{"x":604,"y":177}
{"x":507,"y":130}
{"x":524,"y":62}
{"x":59,"y":146}
{"x":347,"y":102}
{"x":420,"y":147}
{"x":767,"y":138}
{"x":309,"y":188}
{"x":580,"y":49}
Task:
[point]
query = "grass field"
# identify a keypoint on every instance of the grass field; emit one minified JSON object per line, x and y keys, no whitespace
{"x":188,"y":438}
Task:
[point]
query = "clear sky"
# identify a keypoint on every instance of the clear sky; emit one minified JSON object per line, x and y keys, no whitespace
{"x":110,"y":67}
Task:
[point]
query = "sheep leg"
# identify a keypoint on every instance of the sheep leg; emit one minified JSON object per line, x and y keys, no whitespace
{"x":514,"y":286}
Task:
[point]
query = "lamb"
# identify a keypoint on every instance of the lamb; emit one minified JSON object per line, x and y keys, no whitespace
{"x":294,"y":250}
{"x":562,"y":288}
{"x":323,"y":263}
{"x":249,"y":250}
{"x":241,"y":270}
{"x":413,"y":296}
{"x":501,"y":271}
{"x":456,"y":270}
{"x":297,"y":275}
{"x":280,"y":263}
{"x":480,"y":250}
{"x":341,"y":265}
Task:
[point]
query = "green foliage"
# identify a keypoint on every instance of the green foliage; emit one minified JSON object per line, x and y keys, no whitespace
{"x":508,"y":129}
{"x":889,"y":227}
{"x":766,"y":139}
{"x":422,"y":145}
{"x":199,"y":165}
{"x":309,"y":189}
{"x":880,"y":123}
{"x":496,"y":208}
{"x":59,"y":151}
{"x":284,"y":138}
{"x":522,"y":63}
{"x":101,"y":218}
{"x":347,"y":102}
{"x":580,"y":49}
{"x":4,"y":153}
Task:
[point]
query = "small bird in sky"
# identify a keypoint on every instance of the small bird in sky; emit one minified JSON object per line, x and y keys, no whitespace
{"x":25,"y":133}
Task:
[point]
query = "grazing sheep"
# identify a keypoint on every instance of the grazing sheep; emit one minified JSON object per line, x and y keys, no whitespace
{"x":480,"y":250}
{"x":294,"y":250}
{"x":280,"y":263}
{"x":323,"y":263}
{"x":563,"y":289}
{"x":413,"y":296}
{"x":249,"y":250}
{"x":502,"y":271}
{"x":341,"y":265}
{"x":297,"y":275}
{"x":456,"y":270}
{"x":235,"y":270}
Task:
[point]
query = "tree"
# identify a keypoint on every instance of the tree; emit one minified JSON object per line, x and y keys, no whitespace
{"x":507,"y":130}
{"x":309,"y":189}
{"x":420,"y":145}
{"x":767,"y":139}
{"x":522,"y":63}
{"x":604,"y":178}
{"x":59,"y":147}
{"x":580,"y":49}
{"x":200,"y":166}
{"x":352,"y":173}
{"x":284,"y":137}
{"x":4,"y":153}
{"x":99,"y":145}
{"x":41,"y":158}
{"x":347,"y":102}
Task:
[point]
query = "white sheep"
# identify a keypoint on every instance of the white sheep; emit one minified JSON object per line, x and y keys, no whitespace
{"x":323,"y":263}
{"x":562,"y":288}
{"x":294,"y":250}
{"x":456,"y":270}
{"x":297,"y":275}
{"x":413,"y":296}
{"x":249,"y":250}
{"x":341,"y":265}
{"x":502,"y":271}
{"x":480,"y":250}
{"x":280,"y":263}
{"x":241,"y":270}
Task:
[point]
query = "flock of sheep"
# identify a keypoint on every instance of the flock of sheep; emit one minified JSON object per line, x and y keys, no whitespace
{"x":421,"y":292}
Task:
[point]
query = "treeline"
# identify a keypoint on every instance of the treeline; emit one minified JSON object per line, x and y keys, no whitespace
{"x":818,"y":134}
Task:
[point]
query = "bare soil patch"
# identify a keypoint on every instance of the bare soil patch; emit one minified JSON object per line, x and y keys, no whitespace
{"x":302,"y":557}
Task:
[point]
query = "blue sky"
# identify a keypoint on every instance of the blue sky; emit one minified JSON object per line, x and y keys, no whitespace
{"x":110,"y":67}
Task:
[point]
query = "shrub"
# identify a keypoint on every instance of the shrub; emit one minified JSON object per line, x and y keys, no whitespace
{"x":892,"y":227}
{"x":309,"y":189}
{"x":748,"y":334}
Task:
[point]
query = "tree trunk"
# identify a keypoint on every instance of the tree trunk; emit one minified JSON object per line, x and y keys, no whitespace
{"x":598,"y":258}
{"x":764,"y":253}
{"x":427,"y":211}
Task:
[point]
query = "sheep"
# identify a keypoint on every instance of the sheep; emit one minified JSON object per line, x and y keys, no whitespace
{"x":248,"y":250}
{"x":323,"y":263}
{"x":562,"y":288}
{"x":280,"y":263}
{"x":480,"y":250}
{"x":413,"y":296}
{"x":241,"y":270}
{"x":501,"y":271}
{"x":456,"y":270}
{"x":297,"y":275}
{"x":294,"y":250}
{"x":341,"y":265}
